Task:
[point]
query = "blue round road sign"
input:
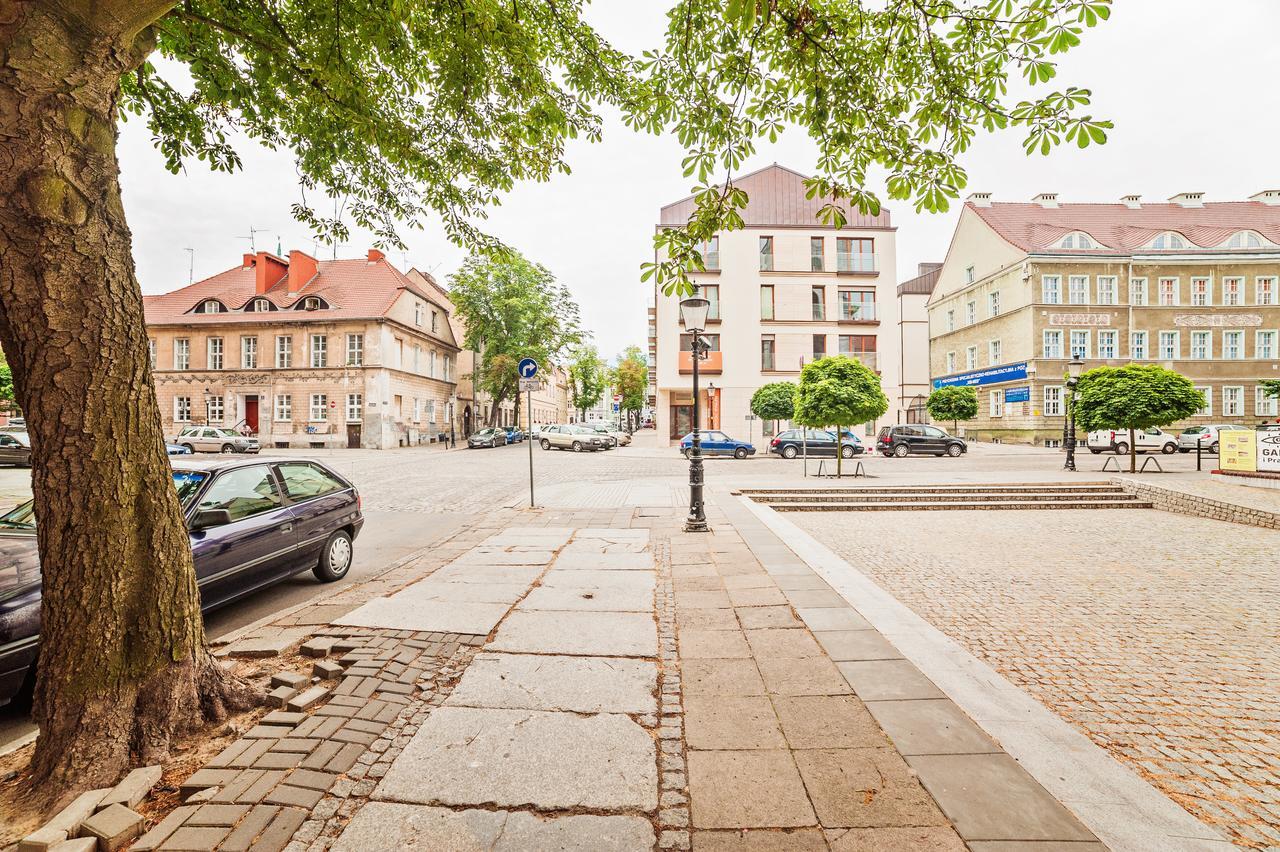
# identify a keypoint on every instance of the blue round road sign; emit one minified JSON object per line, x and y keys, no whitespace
{"x":528,"y":368}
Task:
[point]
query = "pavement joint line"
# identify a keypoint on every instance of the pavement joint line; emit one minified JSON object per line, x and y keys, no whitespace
{"x":975,"y":687}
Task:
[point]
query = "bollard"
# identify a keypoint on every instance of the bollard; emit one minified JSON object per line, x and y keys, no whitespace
{"x":1199,"y":447}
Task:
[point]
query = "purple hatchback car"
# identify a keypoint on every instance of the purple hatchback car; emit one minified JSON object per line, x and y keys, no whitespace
{"x":253,"y":522}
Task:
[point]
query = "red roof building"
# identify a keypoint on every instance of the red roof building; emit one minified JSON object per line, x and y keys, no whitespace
{"x":307,"y":352}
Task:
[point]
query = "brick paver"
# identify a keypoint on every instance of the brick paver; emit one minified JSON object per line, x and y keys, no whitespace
{"x":1153,"y":633}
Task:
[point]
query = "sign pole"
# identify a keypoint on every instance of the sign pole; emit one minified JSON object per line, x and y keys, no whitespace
{"x":528,"y":369}
{"x":528,"y":439}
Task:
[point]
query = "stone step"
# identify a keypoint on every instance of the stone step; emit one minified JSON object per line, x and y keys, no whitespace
{"x":913,"y":506}
{"x":1073,"y":488}
{"x":822,"y":497}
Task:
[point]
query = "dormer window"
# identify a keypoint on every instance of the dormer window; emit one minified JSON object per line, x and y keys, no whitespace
{"x":260,"y":305}
{"x":1077,"y":240}
{"x":210,"y":306}
{"x":312,"y":303}
{"x":1169,"y":240}
{"x":1245,"y":240}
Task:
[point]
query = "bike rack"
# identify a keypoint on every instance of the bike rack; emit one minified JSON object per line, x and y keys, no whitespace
{"x":1110,"y":459}
{"x":1150,"y":460}
{"x":858,"y":470}
{"x":1106,"y":465}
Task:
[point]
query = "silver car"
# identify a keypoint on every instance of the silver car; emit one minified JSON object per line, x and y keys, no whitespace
{"x":215,"y":439}
{"x":1206,"y":436}
{"x":571,"y":437}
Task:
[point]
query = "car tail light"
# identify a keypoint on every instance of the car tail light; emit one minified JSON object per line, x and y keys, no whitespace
{"x":775,"y":442}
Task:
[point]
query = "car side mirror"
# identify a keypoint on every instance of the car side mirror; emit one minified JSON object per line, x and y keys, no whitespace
{"x":207,"y":518}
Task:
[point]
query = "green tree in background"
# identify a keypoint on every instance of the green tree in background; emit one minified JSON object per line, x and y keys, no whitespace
{"x":1270,"y":387}
{"x":954,"y":404}
{"x":774,"y":401}
{"x":512,"y":308}
{"x":587,"y":379}
{"x":838,"y":391}
{"x":630,"y":378}
{"x":1136,"y":396}
{"x":408,"y":113}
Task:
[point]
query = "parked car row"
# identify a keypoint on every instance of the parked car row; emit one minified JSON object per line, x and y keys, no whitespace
{"x":1145,"y":441}
{"x":214,"y":439}
{"x":252,"y":523}
{"x":573,"y":436}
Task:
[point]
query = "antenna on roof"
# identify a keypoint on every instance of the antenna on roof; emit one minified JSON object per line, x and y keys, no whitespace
{"x":191,"y":265}
{"x":253,"y":243}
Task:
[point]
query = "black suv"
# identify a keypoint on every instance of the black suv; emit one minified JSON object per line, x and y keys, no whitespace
{"x":917,"y":438}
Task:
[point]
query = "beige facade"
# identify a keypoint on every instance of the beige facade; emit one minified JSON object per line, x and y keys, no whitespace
{"x":1206,"y":304}
{"x":913,"y":342}
{"x":784,"y":290}
{"x":332,"y":375}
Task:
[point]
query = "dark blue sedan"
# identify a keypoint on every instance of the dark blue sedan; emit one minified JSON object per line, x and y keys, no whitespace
{"x":713,"y":442}
{"x":253,"y":522}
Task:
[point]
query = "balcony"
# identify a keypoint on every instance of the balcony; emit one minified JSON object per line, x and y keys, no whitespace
{"x":848,"y":263}
{"x":867,"y":358}
{"x":857,"y":312}
{"x":712,"y":365}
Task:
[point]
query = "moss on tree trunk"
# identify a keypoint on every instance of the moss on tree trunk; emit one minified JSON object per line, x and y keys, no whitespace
{"x":123,"y":664}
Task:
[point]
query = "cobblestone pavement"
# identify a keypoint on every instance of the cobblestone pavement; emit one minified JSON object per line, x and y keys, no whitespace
{"x":1154,"y":633}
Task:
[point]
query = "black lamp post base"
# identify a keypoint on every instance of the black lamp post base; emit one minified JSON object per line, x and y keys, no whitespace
{"x":696,"y":525}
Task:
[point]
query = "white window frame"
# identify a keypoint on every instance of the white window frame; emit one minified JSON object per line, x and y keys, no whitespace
{"x":1228,"y":409}
{"x":1087,"y":349}
{"x":431,"y":411}
{"x":971,"y":358}
{"x":993,"y":303}
{"x":1264,"y":295}
{"x":249,"y":352}
{"x":417,"y":358}
{"x":1052,"y":401}
{"x":951,"y":319}
{"x":951,"y":362}
{"x":1054,"y":351}
{"x":182,"y":353}
{"x":1046,"y":291}
{"x":1108,"y":290}
{"x":1174,"y":295}
{"x":1263,"y":405}
{"x":213,"y":352}
{"x":151,"y":351}
{"x":1207,"y":411}
{"x":1233,"y":291}
{"x":284,"y":407}
{"x":417,"y":314}
{"x":355,"y":349}
{"x":995,"y":351}
{"x":1201,"y":345}
{"x":1082,"y":290}
{"x":1139,"y":347}
{"x":1111,"y":348}
{"x":996,"y":403}
{"x":1203,"y":299}
{"x":1264,"y":343}
{"x":971,"y":312}
{"x":1138,"y":292}
{"x":1232,"y":334}
{"x":217,"y":410}
{"x":319,"y":403}
{"x":284,"y":351}
{"x":1177,"y":345}
{"x":182,"y":409}
{"x":319,"y":351}
{"x":355,"y":407}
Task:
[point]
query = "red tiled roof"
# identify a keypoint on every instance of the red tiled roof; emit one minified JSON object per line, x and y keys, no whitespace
{"x":1119,"y":227}
{"x":353,"y":289}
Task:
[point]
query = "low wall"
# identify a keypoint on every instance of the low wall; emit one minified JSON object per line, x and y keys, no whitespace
{"x":1172,"y":500}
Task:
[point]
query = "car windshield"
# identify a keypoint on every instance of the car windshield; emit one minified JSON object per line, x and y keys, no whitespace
{"x":23,"y":516}
{"x":1194,"y":430}
{"x":226,"y":433}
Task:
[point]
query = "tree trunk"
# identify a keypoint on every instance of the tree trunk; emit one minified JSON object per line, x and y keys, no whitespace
{"x":123,"y":664}
{"x":1133,"y":453}
{"x":839,"y":451}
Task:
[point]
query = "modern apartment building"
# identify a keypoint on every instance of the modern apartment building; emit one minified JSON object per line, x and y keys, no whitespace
{"x":306,"y":353}
{"x":1191,"y":285}
{"x":784,"y":290}
{"x":913,"y":339}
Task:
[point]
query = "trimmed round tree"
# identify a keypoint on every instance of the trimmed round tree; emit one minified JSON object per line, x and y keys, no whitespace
{"x":774,"y":401}
{"x":954,"y":404}
{"x":838,"y":391}
{"x":1137,"y":396}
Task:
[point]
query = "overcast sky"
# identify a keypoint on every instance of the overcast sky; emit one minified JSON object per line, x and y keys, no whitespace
{"x":1189,"y":84}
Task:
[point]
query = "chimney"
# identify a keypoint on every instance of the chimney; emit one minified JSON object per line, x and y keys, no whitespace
{"x":926,"y":268}
{"x":248,"y":260}
{"x":979,"y":199}
{"x":1267,"y":196}
{"x":1189,"y":199}
{"x":1133,"y":202}
{"x":375,"y":256}
{"x":302,"y":268}
{"x":1046,"y":199}
{"x":270,"y":269}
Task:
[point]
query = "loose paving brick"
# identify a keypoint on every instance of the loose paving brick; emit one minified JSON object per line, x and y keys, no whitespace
{"x":114,"y":826}
{"x":240,"y":839}
{"x":134,"y":788}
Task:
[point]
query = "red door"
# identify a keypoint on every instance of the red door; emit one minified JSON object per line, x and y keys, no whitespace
{"x":251,"y":413}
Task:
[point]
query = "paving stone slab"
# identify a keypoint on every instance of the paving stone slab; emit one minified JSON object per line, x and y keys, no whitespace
{"x":931,"y":726}
{"x":724,"y":722}
{"x":81,"y":808}
{"x":832,"y":618}
{"x":134,"y":788}
{"x":827,"y":721}
{"x":589,"y":600}
{"x":498,"y":556}
{"x":713,"y":644}
{"x":721,"y":677}
{"x":43,"y":839}
{"x":991,"y":797}
{"x":775,"y":644}
{"x":596,"y":634}
{"x":583,"y":561}
{"x":384,"y":825}
{"x":843,"y":645}
{"x":114,"y":826}
{"x":888,"y":680}
{"x":1033,"y":846}
{"x":747,"y":789}
{"x":271,"y":644}
{"x":446,"y":617}
{"x":923,"y":839}
{"x":616,"y":534}
{"x":487,"y":574}
{"x":576,"y":684}
{"x":582,"y":579}
{"x":802,"y":676}
{"x":78,"y":844}
{"x":761,"y":840}
{"x":865,"y":788}
{"x":471,"y":756}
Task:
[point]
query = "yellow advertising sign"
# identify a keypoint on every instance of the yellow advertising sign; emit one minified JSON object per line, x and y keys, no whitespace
{"x":1239,"y":450}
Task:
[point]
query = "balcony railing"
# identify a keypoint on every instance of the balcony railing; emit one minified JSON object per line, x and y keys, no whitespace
{"x":850,"y":262}
{"x":867,"y":358}
{"x":713,"y":363}
{"x":858,"y":312}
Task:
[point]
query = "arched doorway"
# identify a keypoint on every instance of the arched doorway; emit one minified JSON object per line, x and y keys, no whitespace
{"x":466,"y":422}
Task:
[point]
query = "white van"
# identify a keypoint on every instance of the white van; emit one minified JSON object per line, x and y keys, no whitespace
{"x":1117,"y":441}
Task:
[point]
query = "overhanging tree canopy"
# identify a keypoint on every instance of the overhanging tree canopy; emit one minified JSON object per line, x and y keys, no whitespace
{"x":407,"y":112}
{"x":774,"y":401}
{"x":1133,"y":397}
{"x":838,"y":391}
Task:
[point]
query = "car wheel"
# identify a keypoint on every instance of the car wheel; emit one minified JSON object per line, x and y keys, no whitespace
{"x":740,"y":453}
{"x":335,"y":559}
{"x":846,"y":452}
{"x":789,"y":452}
{"x":546,"y":445}
{"x":1169,"y":448}
{"x":190,"y":448}
{"x":1122,"y":449}
{"x":227,"y":448}
{"x":901,"y":451}
{"x":954,"y":450}
{"x":577,"y":446}
{"x":1213,"y":448}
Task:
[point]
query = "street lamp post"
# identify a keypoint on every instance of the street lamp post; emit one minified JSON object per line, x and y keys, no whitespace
{"x":693,"y":311}
{"x":1074,"y":368}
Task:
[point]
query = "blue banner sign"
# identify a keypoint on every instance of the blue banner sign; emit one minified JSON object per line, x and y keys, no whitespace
{"x":1022,"y":394}
{"x":989,"y":376}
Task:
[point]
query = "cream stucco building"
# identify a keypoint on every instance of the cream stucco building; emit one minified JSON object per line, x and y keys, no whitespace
{"x":785,"y":289}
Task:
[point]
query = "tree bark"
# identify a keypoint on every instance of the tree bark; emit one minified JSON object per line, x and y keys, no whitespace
{"x":123,"y":664}
{"x":1133,"y":452}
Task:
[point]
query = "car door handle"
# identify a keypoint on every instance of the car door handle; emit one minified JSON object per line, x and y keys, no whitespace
{"x":286,"y":528}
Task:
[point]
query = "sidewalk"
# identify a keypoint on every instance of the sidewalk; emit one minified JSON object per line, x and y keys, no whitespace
{"x":598,"y":679}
